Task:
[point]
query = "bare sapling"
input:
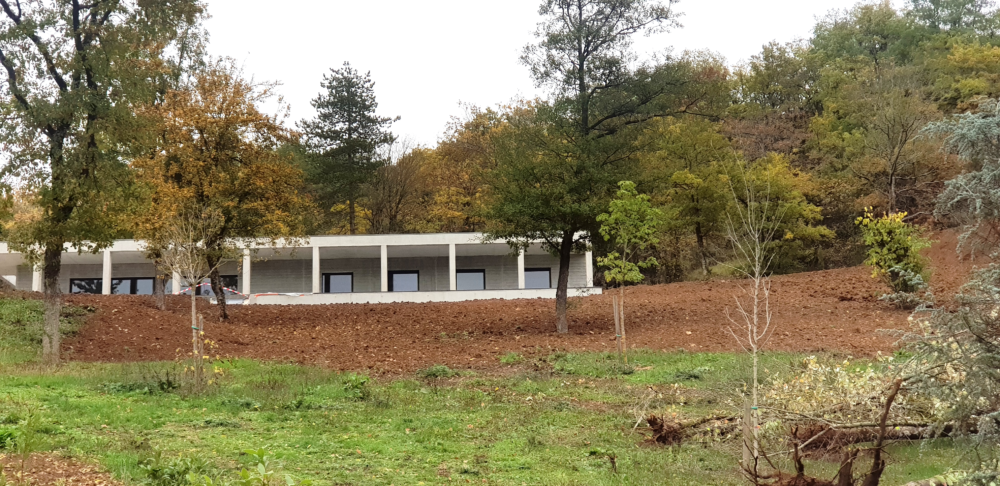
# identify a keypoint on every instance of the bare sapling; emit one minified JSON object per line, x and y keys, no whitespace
{"x":751,"y":225}
{"x":184,"y":253}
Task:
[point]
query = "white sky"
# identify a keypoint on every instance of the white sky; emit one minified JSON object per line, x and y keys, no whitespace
{"x":427,"y":56}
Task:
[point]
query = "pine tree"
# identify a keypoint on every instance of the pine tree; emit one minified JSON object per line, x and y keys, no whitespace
{"x":345,"y":139}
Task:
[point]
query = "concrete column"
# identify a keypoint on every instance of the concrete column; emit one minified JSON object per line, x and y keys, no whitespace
{"x":452,"y":267}
{"x":590,"y":268}
{"x":520,"y":268}
{"x":36,"y":280}
{"x":175,"y":283}
{"x":246,"y":272}
{"x":317,"y":285}
{"x":385,"y":268}
{"x":106,"y":274}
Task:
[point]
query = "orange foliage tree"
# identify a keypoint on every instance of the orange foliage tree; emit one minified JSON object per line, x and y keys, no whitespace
{"x":218,"y":152}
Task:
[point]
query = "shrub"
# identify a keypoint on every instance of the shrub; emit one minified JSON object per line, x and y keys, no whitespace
{"x":356,"y":386}
{"x":437,"y":371}
{"x":158,"y":470}
{"x":265,"y":473}
{"x":894,"y":250}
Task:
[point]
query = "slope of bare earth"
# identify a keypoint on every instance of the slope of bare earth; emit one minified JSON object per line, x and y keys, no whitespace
{"x":833,"y":310}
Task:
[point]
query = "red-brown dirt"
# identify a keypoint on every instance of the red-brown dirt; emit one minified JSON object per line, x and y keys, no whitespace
{"x":50,"y":470}
{"x":833,"y":310}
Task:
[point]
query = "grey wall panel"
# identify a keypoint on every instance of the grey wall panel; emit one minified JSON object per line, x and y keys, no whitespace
{"x":281,"y":276}
{"x":433,"y":270}
{"x":577,"y":268}
{"x":23,"y":277}
{"x":501,"y":270}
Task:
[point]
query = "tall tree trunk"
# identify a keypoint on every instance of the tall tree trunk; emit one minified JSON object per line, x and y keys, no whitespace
{"x":892,"y":194}
{"x":565,"y":251}
{"x":351,"y":218}
{"x":52,"y":261}
{"x":700,"y":236}
{"x":159,"y":287}
{"x":220,"y":294}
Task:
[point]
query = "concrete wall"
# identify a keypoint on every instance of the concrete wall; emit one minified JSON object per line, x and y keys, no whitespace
{"x":501,"y":271}
{"x":295,"y":275}
{"x":118,"y":270}
{"x":577,"y":268}
{"x":432,"y":296}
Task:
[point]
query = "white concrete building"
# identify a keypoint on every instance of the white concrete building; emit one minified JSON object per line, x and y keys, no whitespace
{"x":440,"y":267}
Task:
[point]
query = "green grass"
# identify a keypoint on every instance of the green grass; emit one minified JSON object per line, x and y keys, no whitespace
{"x":21,"y":328}
{"x":554,"y":421}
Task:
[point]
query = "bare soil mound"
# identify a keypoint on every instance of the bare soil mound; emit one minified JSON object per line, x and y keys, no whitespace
{"x":833,"y":310}
{"x":51,"y":470}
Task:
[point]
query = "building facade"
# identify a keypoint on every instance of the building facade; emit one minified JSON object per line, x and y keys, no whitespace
{"x":441,"y":267}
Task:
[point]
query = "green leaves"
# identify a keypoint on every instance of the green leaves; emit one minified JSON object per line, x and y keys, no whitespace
{"x":631,"y":226}
{"x":893,"y":248}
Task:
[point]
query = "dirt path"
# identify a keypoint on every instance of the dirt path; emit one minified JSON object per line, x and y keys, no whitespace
{"x":834,"y":310}
{"x":50,"y":469}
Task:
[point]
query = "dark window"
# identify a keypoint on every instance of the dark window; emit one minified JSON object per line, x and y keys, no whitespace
{"x":537,"y":278}
{"x":136,"y":286}
{"x":404,"y":281}
{"x":470,"y":279}
{"x":338,"y":283}
{"x":86,"y":285}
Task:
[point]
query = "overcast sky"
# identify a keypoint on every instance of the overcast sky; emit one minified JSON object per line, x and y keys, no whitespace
{"x":428,"y":56}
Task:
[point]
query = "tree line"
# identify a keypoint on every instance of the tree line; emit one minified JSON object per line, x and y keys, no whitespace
{"x":116,"y":123}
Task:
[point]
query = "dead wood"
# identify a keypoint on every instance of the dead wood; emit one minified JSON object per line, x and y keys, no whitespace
{"x":671,"y":432}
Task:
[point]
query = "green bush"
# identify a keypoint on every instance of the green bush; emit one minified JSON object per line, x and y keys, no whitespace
{"x":356,"y":386}
{"x":158,"y":470}
{"x":437,"y":371}
{"x":894,"y":250}
{"x":264,"y":473}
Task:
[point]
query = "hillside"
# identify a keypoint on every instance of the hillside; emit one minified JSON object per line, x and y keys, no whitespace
{"x":834,"y":310}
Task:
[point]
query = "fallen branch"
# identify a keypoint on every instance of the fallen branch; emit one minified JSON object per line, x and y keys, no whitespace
{"x":674,"y":432}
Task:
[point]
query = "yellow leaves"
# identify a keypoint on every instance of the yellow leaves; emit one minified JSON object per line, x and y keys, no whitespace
{"x":217,"y":150}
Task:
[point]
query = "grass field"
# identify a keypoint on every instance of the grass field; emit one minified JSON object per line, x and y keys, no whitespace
{"x":555,"y":420}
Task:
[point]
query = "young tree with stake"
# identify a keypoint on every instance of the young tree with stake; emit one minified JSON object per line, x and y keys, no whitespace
{"x":630,"y":225}
{"x":751,"y":226}
{"x":183,"y":251}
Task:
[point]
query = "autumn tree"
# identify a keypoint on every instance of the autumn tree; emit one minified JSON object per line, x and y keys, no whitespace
{"x":872,"y":130}
{"x":455,"y":173}
{"x":580,"y":143}
{"x":684,"y":165}
{"x":392,"y":198}
{"x":219,"y":152}
{"x":776,"y":95}
{"x":74,"y":73}
{"x":795,"y":220}
{"x":345,"y":139}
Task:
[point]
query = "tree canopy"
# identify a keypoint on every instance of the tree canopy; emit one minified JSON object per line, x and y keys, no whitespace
{"x":345,"y":139}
